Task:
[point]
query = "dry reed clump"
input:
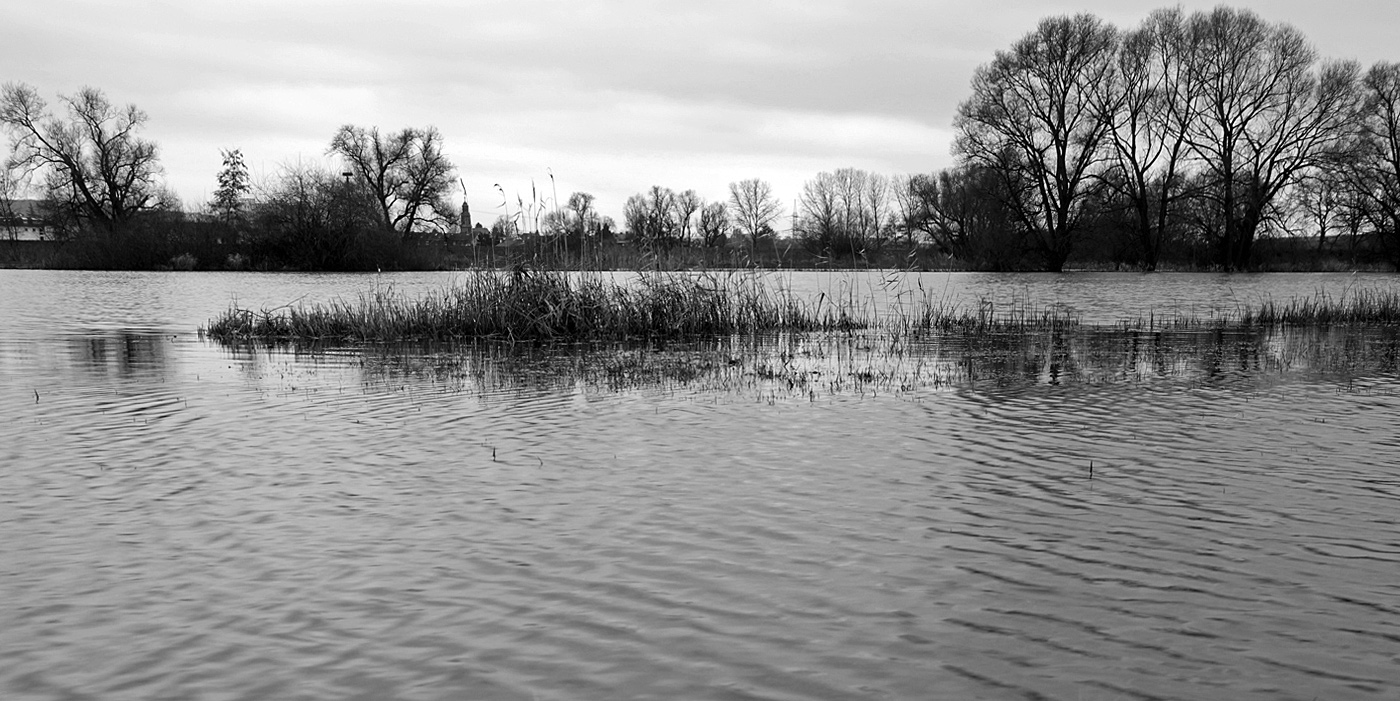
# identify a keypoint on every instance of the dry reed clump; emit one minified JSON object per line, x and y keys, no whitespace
{"x":1364,"y":307}
{"x":543,"y":305}
{"x":527,"y":305}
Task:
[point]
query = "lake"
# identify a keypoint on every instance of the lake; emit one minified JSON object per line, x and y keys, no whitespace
{"x":1101,"y":515}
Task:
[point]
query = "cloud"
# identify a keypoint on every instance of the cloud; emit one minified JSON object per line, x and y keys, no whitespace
{"x":611,"y":95}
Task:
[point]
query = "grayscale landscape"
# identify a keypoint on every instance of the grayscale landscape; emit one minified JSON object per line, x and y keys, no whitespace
{"x":981,"y":353}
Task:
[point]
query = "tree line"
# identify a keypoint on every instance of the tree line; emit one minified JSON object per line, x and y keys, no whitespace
{"x":388,"y":208}
{"x":1189,"y":141}
{"x":99,"y":181}
{"x":100,"y":184}
{"x":1202,"y":131}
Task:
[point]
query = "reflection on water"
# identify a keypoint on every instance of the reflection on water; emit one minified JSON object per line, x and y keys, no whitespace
{"x":124,"y":354}
{"x":799,"y":365}
{"x":1098,"y":515}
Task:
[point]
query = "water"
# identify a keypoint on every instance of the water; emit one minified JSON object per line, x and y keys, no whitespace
{"x":805,"y":518}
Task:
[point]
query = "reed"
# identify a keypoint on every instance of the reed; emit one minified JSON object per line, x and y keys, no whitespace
{"x":533,"y":305}
{"x":553,"y":305}
{"x":1019,"y":317}
{"x":1365,"y":307}
{"x":1359,"y":307}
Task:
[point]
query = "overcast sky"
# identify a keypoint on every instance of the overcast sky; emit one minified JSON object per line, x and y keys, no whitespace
{"x":610,"y":96}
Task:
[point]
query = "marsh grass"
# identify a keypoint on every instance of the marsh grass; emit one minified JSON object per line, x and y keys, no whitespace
{"x":1363,"y":307}
{"x":1366,"y":307}
{"x":1019,"y":317}
{"x":555,"y":305}
{"x":544,"y":305}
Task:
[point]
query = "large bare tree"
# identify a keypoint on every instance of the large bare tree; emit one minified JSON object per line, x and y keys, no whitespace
{"x":1265,"y":109}
{"x":405,"y":173}
{"x":1150,"y":113}
{"x":91,"y":160}
{"x":1375,"y":169}
{"x":1037,"y":117}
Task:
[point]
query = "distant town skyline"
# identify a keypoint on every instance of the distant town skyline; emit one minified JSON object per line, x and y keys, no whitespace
{"x":603,"y":97}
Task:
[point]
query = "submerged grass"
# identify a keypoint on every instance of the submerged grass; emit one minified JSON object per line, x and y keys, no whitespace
{"x":555,"y":305}
{"x":1361,"y":307}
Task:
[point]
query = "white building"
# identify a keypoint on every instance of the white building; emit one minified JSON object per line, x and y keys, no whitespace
{"x":24,"y":220}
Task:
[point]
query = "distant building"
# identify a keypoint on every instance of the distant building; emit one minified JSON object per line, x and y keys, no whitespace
{"x":480,"y":235}
{"x":24,"y":220}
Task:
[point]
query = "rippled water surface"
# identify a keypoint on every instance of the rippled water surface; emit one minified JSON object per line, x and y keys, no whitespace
{"x":1102,"y":516}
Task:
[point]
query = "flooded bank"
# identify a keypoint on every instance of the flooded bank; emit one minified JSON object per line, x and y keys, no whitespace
{"x":1171,"y":514}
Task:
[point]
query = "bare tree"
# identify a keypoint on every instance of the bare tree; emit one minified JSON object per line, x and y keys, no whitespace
{"x":405,"y":173}
{"x":651,"y":216}
{"x":1318,"y":199}
{"x":504,"y":229}
{"x":1266,"y":109}
{"x":1037,"y":117}
{"x":1150,"y":114}
{"x":820,"y":221}
{"x":687,"y":203}
{"x":1374,"y":173}
{"x":968,"y":217}
{"x":873,"y":215}
{"x":913,"y":196}
{"x":305,"y":217}
{"x":714,"y":224}
{"x":754,"y":207}
{"x":845,"y":212}
{"x":92,"y":161}
{"x":9,"y":214}
{"x":583,"y":217}
{"x":555,"y":224}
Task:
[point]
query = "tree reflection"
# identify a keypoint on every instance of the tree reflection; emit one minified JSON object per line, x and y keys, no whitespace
{"x":125,"y":354}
